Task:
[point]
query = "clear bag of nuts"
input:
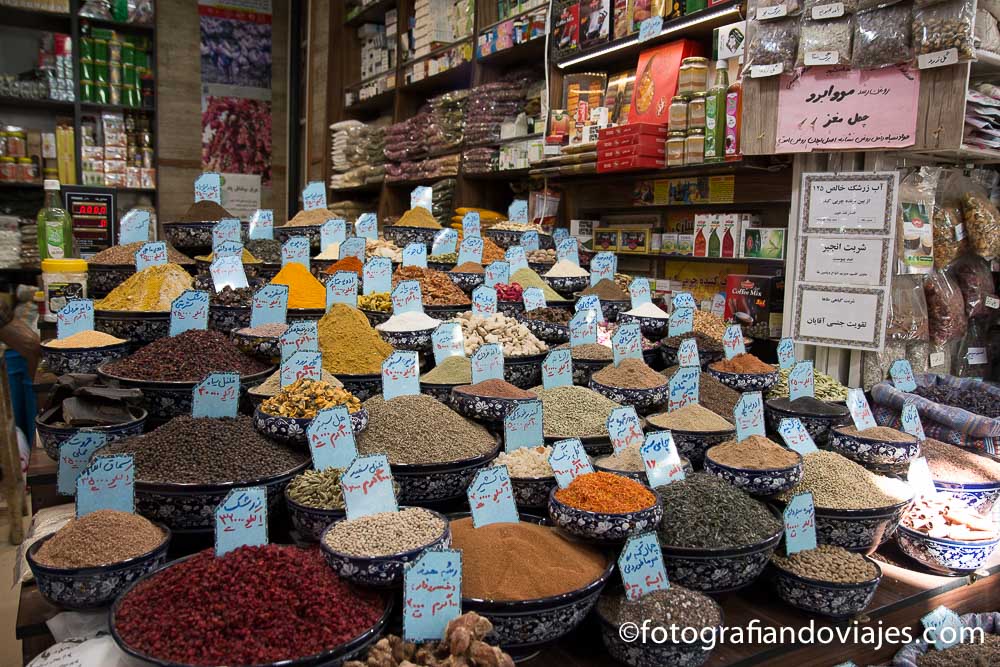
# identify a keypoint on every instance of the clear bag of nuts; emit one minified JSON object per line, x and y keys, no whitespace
{"x":825,"y":42}
{"x":943,"y":27}
{"x":772,"y":43}
{"x":882,"y":37}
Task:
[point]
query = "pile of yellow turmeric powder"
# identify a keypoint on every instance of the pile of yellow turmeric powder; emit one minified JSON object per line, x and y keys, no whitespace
{"x":349,"y":344}
{"x":304,"y":291}
{"x":151,"y":290}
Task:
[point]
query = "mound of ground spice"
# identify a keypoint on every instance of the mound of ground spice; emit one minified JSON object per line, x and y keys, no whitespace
{"x":350,"y":263}
{"x":468,"y":267}
{"x":629,"y":374}
{"x":753,"y":453}
{"x":606,"y":290}
{"x":605,"y":492}
{"x":495,"y":389}
{"x":100,"y":538}
{"x":743,"y":363}
{"x":349,"y":344}
{"x":304,"y":291}
{"x":204,"y":211}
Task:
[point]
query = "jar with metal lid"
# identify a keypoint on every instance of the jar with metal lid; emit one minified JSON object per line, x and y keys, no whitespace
{"x":62,"y":280}
{"x":678,"y":114}
{"x":694,"y":146}
{"x":675,"y":148}
{"x":16,"y":145}
{"x":8,"y":169}
{"x":696,"y":110}
{"x":693,"y":75}
{"x":26,"y":170}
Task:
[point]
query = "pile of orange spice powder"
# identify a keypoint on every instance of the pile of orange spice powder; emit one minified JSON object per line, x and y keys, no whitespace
{"x":607,"y":493}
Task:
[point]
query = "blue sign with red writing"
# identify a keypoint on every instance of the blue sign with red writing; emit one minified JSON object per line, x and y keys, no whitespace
{"x":189,"y":311}
{"x":331,"y":438}
{"x":432,"y":594}
{"x":569,"y":460}
{"x":624,"y":428}
{"x":491,"y":497}
{"x":108,"y":483}
{"x":661,"y":459}
{"x":74,"y":456}
{"x":641,"y":566}
{"x":76,"y":316}
{"x":241,"y":520}
{"x":400,"y":375}
{"x":217,"y":396}
{"x":301,"y":365}
{"x":487,"y":363}
{"x":522,"y":427}
{"x":557,"y":369}
{"x":367,"y":487}
{"x":269,"y":305}
{"x":800,"y":524}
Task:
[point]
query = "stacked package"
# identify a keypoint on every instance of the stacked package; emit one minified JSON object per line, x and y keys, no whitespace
{"x":493,"y":103}
{"x":446,"y":124}
{"x":413,"y":170}
{"x":982,"y":116}
{"x":356,"y":154}
{"x":633,"y":146}
{"x":405,"y":140}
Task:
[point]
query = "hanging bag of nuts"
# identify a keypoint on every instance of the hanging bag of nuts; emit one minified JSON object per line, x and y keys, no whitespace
{"x":939,"y":28}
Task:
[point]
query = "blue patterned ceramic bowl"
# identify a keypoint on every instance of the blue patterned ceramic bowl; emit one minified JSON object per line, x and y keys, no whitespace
{"x":228,"y":319}
{"x":312,"y":232}
{"x":53,"y":436}
{"x":427,"y":483}
{"x":945,"y":556}
{"x":467,"y":282}
{"x":639,"y":476}
{"x":980,"y":496}
{"x":743,"y":382}
{"x":653,"y":328}
{"x":510,"y":308}
{"x":603,"y":527}
{"x":539,"y":267}
{"x":376,"y":317}
{"x":548,"y":332}
{"x":441,"y":266}
{"x":482,"y":408}
{"x":292,"y":430}
{"x":505,"y":238}
{"x":265,"y":348}
{"x":872,"y":451}
{"x":757,"y":482}
{"x":445,"y":313}
{"x":309,"y":522}
{"x":818,"y":426}
{"x":404,"y":236}
{"x":705,"y":357}
{"x":644,"y":401}
{"x":719,"y":570}
{"x":89,"y":587}
{"x":583,"y":369}
{"x":826,"y":598}
{"x":362,"y":386}
{"x":693,"y":444}
{"x":103,"y":278}
{"x":60,"y":361}
{"x":609,"y":308}
{"x":441,"y":392}
{"x":862,"y":531}
{"x":137,"y":327}
{"x":419,"y":341}
{"x":524,"y":371}
{"x":567,"y":285}
{"x":380,"y":571}
{"x":531,"y":493}
{"x":195,"y":238}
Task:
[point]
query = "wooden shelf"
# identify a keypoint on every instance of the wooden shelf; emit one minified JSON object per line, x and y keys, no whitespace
{"x":96,"y":107}
{"x":963,"y":155}
{"x":367,"y":188}
{"x":450,"y":79}
{"x":381,"y":102}
{"x":505,"y":175}
{"x":525,"y":53}
{"x":14,"y":17}
{"x":418,"y":181}
{"x":17,"y":185}
{"x":747,"y":165}
{"x":756,"y":261}
{"x":374,"y":12}
{"x":29,"y":103}
{"x":124,"y":26}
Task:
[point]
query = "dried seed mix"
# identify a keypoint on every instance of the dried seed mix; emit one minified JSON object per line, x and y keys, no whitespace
{"x":753,"y":453}
{"x":629,"y":374}
{"x":100,"y":538}
{"x":883,"y":433}
{"x":606,"y":290}
{"x":453,"y":370}
{"x":978,"y":653}
{"x":187,"y":357}
{"x":574,"y":412}
{"x":828,"y":563}
{"x":305,"y":397}
{"x":124,"y":255}
{"x":385,"y":533}
{"x":692,"y":417}
{"x":807,"y":405}
{"x":83,"y":340}
{"x":675,"y":607}
{"x":839,"y":483}
{"x":950,"y":463}
{"x":825,"y":388}
{"x":605,"y":492}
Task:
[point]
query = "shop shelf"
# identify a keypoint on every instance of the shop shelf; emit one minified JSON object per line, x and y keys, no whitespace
{"x":95,"y":107}
{"x":14,"y":17}
{"x":520,"y":54}
{"x":505,"y":175}
{"x":121,"y":26}
{"x":28,"y":103}
{"x":380,"y":102}
{"x":450,"y":79}
{"x":372,"y":13}
{"x":364,"y":188}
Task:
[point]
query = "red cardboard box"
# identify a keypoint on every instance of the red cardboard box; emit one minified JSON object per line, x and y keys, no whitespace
{"x":647,"y":144}
{"x":656,"y":80}
{"x":632,"y":130}
{"x":629,"y":163}
{"x":634,"y":150}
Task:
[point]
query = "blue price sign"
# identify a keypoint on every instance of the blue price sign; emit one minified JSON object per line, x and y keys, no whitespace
{"x":918,"y":476}
{"x":516,"y":258}
{"x":227,"y":229}
{"x":76,"y":316}
{"x":534,"y":298}
{"x":445,"y":242}
{"x":861,"y":412}
{"x":74,"y":456}
{"x":353,"y":247}
{"x":522,"y":427}
{"x":331,"y":438}
{"x":300,"y":337}
{"x":377,"y":275}
{"x":241,"y":520}
{"x":557,"y":369}
{"x":447,"y":341}
{"x":150,"y":254}
{"x":590,"y":302}
{"x":901,"y":373}
{"x":422,"y":195}
{"x":134,"y":227}
{"x":331,"y":232}
{"x":732,"y":341}
{"x":911,"y":422}
{"x":189,"y":311}
{"x":624,"y":428}
{"x":229,"y":249}
{"x":641,"y":566}
{"x":415,"y":254}
{"x":530,"y":241}
{"x":583,"y":328}
{"x":568,"y":249}
{"x":301,"y":365}
{"x":487,"y":363}
{"x":800,"y":524}
{"x":269,"y":305}
{"x":471,"y":250}
{"x":661,"y":460}
{"x":639,"y":292}
{"x":432,"y":592}
{"x":471,"y":225}
{"x":367,"y":487}
{"x":406,"y":298}
{"x":497,"y":273}
{"x":217,"y":396}
{"x":681,"y":321}
{"x":687,"y":353}
{"x":228,"y":272}
{"x":801,"y":381}
{"x":366,"y":226}
{"x":342,"y":287}
{"x":518,"y":211}
{"x":569,"y":460}
{"x":786,"y":353}
{"x":650,"y":28}
{"x":296,"y":249}
{"x":685,"y":387}
{"x":491,"y":497}
{"x":748,"y":415}
{"x":262,"y":224}
{"x":107,"y":483}
{"x":603,"y":267}
{"x":944,"y":627}
{"x":314,"y":196}
{"x":626,"y":343}
{"x":683,"y":300}
{"x":400,"y":375}
{"x":484,"y":301}
{"x":560,"y":234}
{"x":796,"y":436}
{"x":208,"y":187}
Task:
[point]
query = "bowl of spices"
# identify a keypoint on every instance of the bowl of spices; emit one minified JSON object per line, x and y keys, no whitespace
{"x":531,"y":476}
{"x":272,"y":385}
{"x":550,"y":325}
{"x":709,"y":349}
{"x":920,"y":652}
{"x":674,"y":607}
{"x":171,"y":617}
{"x":614,"y":299}
{"x":261,"y":342}
{"x":112,"y":266}
{"x":352,"y":350}
{"x":307,"y":224}
{"x":756,"y":464}
{"x":744,"y":372}
{"x":373,"y":550}
{"x":534,"y":584}
{"x":489,"y":400}
{"x":376,"y":306}
{"x":88,"y":562}
{"x":817,"y":416}
{"x":314,"y":500}
{"x":878,"y":445}
{"x":972,"y":479}
{"x":855,"y":508}
{"x":653,"y":321}
{"x":467,"y":276}
{"x":695,"y":430}
{"x":324,"y":268}
{"x":416,"y":225}
{"x":192,"y":232}
{"x":945,"y":535}
{"x":286,"y":415}
{"x":523,"y":352}
{"x":438,"y":292}
{"x":715,"y":538}
{"x":139,"y":308}
{"x":577,"y":412}
{"x":628,"y":463}
{"x":82,"y":352}
{"x":251,"y":265}
{"x":408,"y":331}
{"x":712,"y":394}
{"x":827,"y":580}
{"x":632,"y":382}
{"x":566,"y":277}
{"x":53,"y":431}
{"x":450,"y":373}
{"x":605,"y":509}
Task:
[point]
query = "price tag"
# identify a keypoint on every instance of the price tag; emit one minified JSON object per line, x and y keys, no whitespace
{"x":830,"y":11}
{"x":937,"y":59}
{"x":732,"y":341}
{"x":661,"y":460}
{"x":683,"y":300}
{"x":641,"y":566}
{"x":624,"y":428}
{"x":762,"y":71}
{"x":685,"y":387}
{"x":820,"y":58}
{"x":217,"y":396}
{"x":534,"y":298}
{"x":650,"y":28}
{"x":269,"y":305}
{"x":353,"y":247}
{"x":377,"y":275}
{"x":208,"y":187}
{"x":911,"y":422}
{"x":331,"y":438}
{"x":432,"y":594}
{"x":133,"y":227}
{"x":901,"y":373}
{"x":487,"y":363}
{"x":74,"y":456}
{"x":189,"y":311}
{"x":367,"y":487}
{"x":719,"y":305}
{"x":471,"y":225}
{"x":228,"y":272}
{"x":687,"y":353}
{"x":447,"y":341}
{"x":332,"y":231}
{"x":366,"y":227}
{"x":516,"y":258}
{"x":241,"y":520}
{"x":422,"y":195}
{"x":296,"y":249}
{"x":603,"y":267}
{"x":342,"y":287}
{"x":497,"y":273}
{"x":944,"y":628}
{"x":314,"y":196}
{"x":471,"y":250}
{"x":590,"y":302}
{"x":262,"y":224}
{"x":991,"y":302}
{"x":300,"y":336}
{"x":557,"y":369}
{"x":861,"y":413}
{"x":681,"y":321}
{"x":518,"y":211}
{"x":484,"y":301}
{"x":491,"y":497}
{"x":229,"y":249}
{"x":107,"y":483}
{"x":748,"y":415}
{"x":530,"y":241}
{"x":415,"y":254}
{"x":400,"y":375}
{"x":937,"y":358}
{"x":772,"y":12}
{"x":800,"y":524}
{"x":522,"y":427}
{"x":568,"y":249}
{"x":76,"y":316}
{"x":559,"y":234}
{"x":786,"y":353}
{"x":406,"y":298}
{"x":301,"y":365}
{"x":801,"y":381}
{"x":150,"y":254}
{"x":445,"y":242}
{"x":976,"y":356}
{"x":227,"y":229}
{"x":626,"y":343}
{"x":583,"y":328}
{"x":639,"y":291}
{"x":569,"y":460}
{"x":796,"y":436}
{"x":918,"y":475}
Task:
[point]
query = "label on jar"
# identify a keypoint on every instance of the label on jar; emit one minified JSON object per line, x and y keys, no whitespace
{"x":761,"y":71}
{"x":821,"y":57}
{"x":772,"y":12}
{"x":937,"y":59}
{"x":829,"y":11}
{"x":976,"y":356}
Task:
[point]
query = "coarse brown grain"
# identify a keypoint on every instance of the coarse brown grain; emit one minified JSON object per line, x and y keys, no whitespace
{"x":882,"y":433}
{"x":204,"y":211}
{"x":100,"y":538}
{"x":753,"y":453}
{"x":629,"y":374}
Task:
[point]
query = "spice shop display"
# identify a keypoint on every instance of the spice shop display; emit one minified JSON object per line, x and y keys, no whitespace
{"x":839,"y":483}
{"x":386,"y":533}
{"x":272,"y":385}
{"x":453,"y":370}
{"x":317,"y":489}
{"x":946,"y":535}
{"x":516,"y":339}
{"x":949,"y":463}
{"x":574,"y":412}
{"x":825,"y":388}
{"x":187,"y":357}
{"x":712,"y":394}
{"x":605,"y":493}
{"x":755,"y":464}
{"x":495,"y":389}
{"x":151,"y":290}
{"x":828,"y":580}
{"x":124,"y":255}
{"x":104,"y":537}
{"x":349,"y":344}
{"x":304,"y":291}
{"x":436,"y":288}
{"x":691,"y":417}
{"x":305,"y":397}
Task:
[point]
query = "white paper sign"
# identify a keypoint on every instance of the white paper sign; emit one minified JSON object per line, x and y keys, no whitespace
{"x":852,"y":203}
{"x":840,"y":317}
{"x":844,"y":261}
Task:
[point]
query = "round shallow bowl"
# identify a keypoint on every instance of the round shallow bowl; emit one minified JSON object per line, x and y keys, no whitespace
{"x":308,"y":314}
{"x":594,"y":445}
{"x":53,"y":436}
{"x":584,"y":368}
{"x":640,"y":476}
{"x":548,"y":332}
{"x":445,"y":313}
{"x":644,"y":401}
{"x":441,"y":392}
{"x":292,"y":430}
{"x":318,"y":268}
{"x":758,"y":482}
{"x":380,"y":571}
{"x":312,"y":232}
{"x":441,"y":266}
{"x":354,"y":649}
{"x":540,"y":267}
{"x":60,"y":361}
{"x":610,"y":308}
{"x":89,"y":587}
{"x":653,"y":328}
{"x":404,"y":236}
{"x":719,"y":570}
{"x":228,"y":319}
{"x":483,"y":408}
{"x":980,"y":496}
{"x":694,"y":444}
{"x":505,"y":238}
{"x":524,"y":371}
{"x":826,"y":598}
{"x":603,"y":527}
{"x":362,"y":386}
{"x":705,"y":357}
{"x":309,"y":522}
{"x":137,"y":327}
{"x":872,"y":451}
{"x":744,"y":382}
{"x":946,"y":556}
{"x":195,"y":238}
{"x":510,"y":308}
{"x":103,"y":278}
{"x":428,"y":483}
{"x":265,"y":348}
{"x":862,"y":531}
{"x":567,"y":285}
{"x":419,"y":341}
{"x":532,"y":493}
{"x":376,"y":317}
{"x":818,"y":426}
{"x":467,"y":282}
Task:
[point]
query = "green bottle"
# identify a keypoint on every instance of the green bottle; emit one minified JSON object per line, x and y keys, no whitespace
{"x":55,"y":227}
{"x":715,"y":115}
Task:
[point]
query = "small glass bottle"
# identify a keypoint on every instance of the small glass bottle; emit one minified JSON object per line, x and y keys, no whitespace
{"x":734,"y":113}
{"x":55,"y":226}
{"x":677,"y":119}
{"x":675,"y":149}
{"x":696,"y":110}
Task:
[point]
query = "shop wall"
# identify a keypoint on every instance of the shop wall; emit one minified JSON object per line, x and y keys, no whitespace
{"x":320,"y":16}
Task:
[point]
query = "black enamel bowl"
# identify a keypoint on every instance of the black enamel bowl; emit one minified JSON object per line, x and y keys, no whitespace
{"x":826,"y":598}
{"x":62,"y":360}
{"x":425,"y":484}
{"x":713,"y":571}
{"x":53,"y":436}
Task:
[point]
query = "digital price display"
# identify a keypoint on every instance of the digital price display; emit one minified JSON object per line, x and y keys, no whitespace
{"x":94,"y":218}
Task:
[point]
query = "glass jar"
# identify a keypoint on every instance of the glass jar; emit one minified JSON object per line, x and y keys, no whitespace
{"x":15,"y":142}
{"x":696,"y":110}
{"x":675,"y":149}
{"x":694,"y":146}
{"x":26,"y":170}
{"x":678,"y":114}
{"x":8,"y":169}
{"x":693,"y":75}
{"x":62,"y":280}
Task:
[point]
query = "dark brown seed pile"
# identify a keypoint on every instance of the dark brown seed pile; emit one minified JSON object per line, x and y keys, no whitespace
{"x":205,"y":211}
{"x":676,"y":606}
{"x":266,"y":250}
{"x":965,"y":655}
{"x":187,"y":357}
{"x":124,"y":255}
{"x":712,"y":394}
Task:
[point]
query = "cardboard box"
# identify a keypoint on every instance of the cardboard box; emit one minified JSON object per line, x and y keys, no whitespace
{"x":632,"y":130}
{"x":700,"y":236}
{"x":685,"y":244}
{"x":595,"y":22}
{"x":763,"y":242}
{"x":641,"y":144}
{"x":629,"y":163}
{"x":656,"y":80}
{"x":622,"y":22}
{"x":566,"y":25}
{"x":730,"y":234}
{"x":750,"y":301}
{"x":605,"y":239}
{"x":629,"y":151}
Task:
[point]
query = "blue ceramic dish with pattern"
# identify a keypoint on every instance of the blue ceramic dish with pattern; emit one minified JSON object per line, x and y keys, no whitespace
{"x":362,"y":386}
{"x":309,"y":523}
{"x":137,"y":327}
{"x":306,"y":314}
{"x":193,"y":238}
{"x":506,"y":238}
{"x":639,"y":476}
{"x":53,"y":436}
{"x":861,"y":531}
{"x":609,"y":308}
{"x":467,"y":282}
{"x":644,"y":401}
{"x":312,"y":232}
{"x":603,"y":527}
{"x":445,"y":313}
{"x":482,"y":408}
{"x":567,"y":286}
{"x":653,"y":328}
{"x":872,"y":451}
{"x":228,"y":319}
{"x":292,"y":430}
{"x":693,"y":444}
{"x":818,"y":426}
{"x":826,"y":598}
{"x":757,"y":482}
{"x":510,"y":308}
{"x":380,"y":571}
{"x":90,"y":587}
{"x":376,"y":317}
{"x":404,"y":236}
{"x":428,"y":483}
{"x":441,"y":392}
{"x":539,"y":267}
{"x":705,"y":357}
{"x":958,"y":557}
{"x":524,"y":371}
{"x":268,"y":270}
{"x":532,"y":493}
{"x":62,"y":360}
{"x":419,"y":341}
{"x":744,"y":382}
{"x":980,"y":496}
{"x":547,"y":332}
{"x":265,"y":348}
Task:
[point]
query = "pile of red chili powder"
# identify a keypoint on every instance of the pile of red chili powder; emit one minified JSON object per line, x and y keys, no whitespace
{"x":254,"y":605}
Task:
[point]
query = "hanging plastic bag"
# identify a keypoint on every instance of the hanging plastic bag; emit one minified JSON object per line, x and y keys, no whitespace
{"x":882,"y":38}
{"x":825,"y":42}
{"x":972,"y":273}
{"x":772,"y":47}
{"x":907,"y":310}
{"x":945,"y":308}
{"x":915,"y":233}
{"x":982,"y":220}
{"x":942,"y":27}
{"x":972,"y":356}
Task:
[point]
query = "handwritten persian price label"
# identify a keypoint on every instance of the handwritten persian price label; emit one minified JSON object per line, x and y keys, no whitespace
{"x":484,"y":301}
{"x":415,"y":254}
{"x":639,"y":292}
{"x":377,"y":275}
{"x":796,"y":436}
{"x":683,"y":300}
{"x":861,"y":412}
{"x":534,"y":298}
{"x":487,"y":363}
{"x":497,"y":273}
{"x":732,"y":341}
{"x":227,"y":229}
{"x":719,"y":304}
{"x":650,"y":28}
{"x":937,"y":59}
{"x":208,"y":187}
{"x":944,"y":627}
{"x":76,"y":316}
{"x":560,"y":234}
{"x":331,"y":438}
{"x":447,"y":341}
{"x":445,"y":242}
{"x":471,"y":225}
{"x":641,"y":566}
{"x":189,"y":311}
{"x":517,"y":258}
{"x":681,"y":321}
{"x":342,"y":287}
{"x":518,"y":211}
{"x":761,"y":71}
{"x":801,"y":380}
{"x":471,"y":250}
{"x":228,"y":272}
{"x":491,"y":497}
{"x":241,"y":520}
{"x":432,"y":594}
{"x":901,"y":373}
{"x":569,"y":460}
{"x":624,"y":428}
{"x":366,"y":227}
{"x":107,"y":483}
{"x":150,"y":254}
{"x":400,"y":375}
{"x":557,"y":369}
{"x":422,"y":195}
{"x":786,"y":353}
{"x":800,"y":524}
{"x":300,"y":337}
{"x":406,"y":298}
{"x":228,"y":249}
{"x":626,"y":343}
{"x":687,"y":353}
{"x":522,"y":427}
{"x":590,"y":302}
{"x":332,"y":231}
{"x":367,"y":487}
{"x":772,"y":12}
{"x":134,"y":227}
{"x":685,"y":387}
{"x":314,"y":196}
{"x":217,"y":396}
{"x":918,"y":475}
{"x":74,"y":456}
{"x":829,"y":11}
{"x":661,"y":459}
{"x":583,"y":328}
{"x":911,"y":422}
{"x":530,"y":241}
{"x":748,"y":415}
{"x":814,"y":58}
{"x":262,"y":224}
{"x":295,"y":249}
{"x":353,"y":247}
{"x":603,"y":267}
{"x":568,"y":249}
{"x":301,"y":365}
